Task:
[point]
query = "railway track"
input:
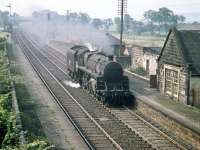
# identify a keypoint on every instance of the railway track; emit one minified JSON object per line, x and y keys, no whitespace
{"x":100,"y":129}
{"x":152,"y":135}
{"x":91,"y":132}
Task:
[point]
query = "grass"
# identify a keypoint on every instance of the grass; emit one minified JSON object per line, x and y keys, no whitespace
{"x":9,"y":134}
{"x":29,"y":117}
{"x":35,"y":135}
{"x":190,"y":112}
{"x":151,"y":41}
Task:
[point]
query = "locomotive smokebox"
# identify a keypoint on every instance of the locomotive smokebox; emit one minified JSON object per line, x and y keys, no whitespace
{"x":113,"y":72}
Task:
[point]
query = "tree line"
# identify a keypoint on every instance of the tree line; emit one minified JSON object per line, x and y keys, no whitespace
{"x":7,"y":20}
{"x":154,"y":22}
{"x":4,"y":19}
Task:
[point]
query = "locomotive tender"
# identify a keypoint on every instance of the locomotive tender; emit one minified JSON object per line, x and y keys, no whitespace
{"x":99,"y":74}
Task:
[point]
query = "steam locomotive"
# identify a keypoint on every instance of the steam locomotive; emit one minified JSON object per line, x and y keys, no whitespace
{"x":99,"y":74}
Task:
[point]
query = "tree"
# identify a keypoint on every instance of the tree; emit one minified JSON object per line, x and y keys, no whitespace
{"x":74,"y":16}
{"x":117,"y":22}
{"x":4,"y":19}
{"x":181,"y":19}
{"x":137,"y":27}
{"x":107,"y":23}
{"x":151,"y":16}
{"x":97,"y":23}
{"x":84,"y":18}
{"x":128,"y":22}
{"x":164,"y":19}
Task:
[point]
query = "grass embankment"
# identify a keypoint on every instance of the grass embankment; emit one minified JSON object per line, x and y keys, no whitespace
{"x":148,"y":41}
{"x":9,"y":132}
{"x":9,"y":135}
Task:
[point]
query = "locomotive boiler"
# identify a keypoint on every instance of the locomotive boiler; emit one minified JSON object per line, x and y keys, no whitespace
{"x":99,"y":74}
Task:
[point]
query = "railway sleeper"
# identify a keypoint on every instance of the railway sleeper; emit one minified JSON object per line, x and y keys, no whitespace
{"x":148,"y":135}
{"x":155,"y":139}
{"x":98,"y":138}
{"x":92,"y":132}
{"x":146,"y":130}
{"x":130,"y":119}
{"x":161,"y":142}
{"x":96,"y":135}
{"x":107,"y":147}
{"x":144,"y":147}
{"x":138,"y":127}
{"x":102,"y":143}
{"x":134,"y":122}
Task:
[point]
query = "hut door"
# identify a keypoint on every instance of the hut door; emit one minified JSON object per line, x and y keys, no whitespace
{"x":147,"y":66}
{"x":171,"y":82}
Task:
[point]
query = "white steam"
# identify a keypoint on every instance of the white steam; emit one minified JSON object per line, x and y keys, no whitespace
{"x":91,"y":47}
{"x":71,"y":84}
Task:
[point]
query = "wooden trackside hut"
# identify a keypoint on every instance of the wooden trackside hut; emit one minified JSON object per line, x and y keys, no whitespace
{"x":179,"y":66}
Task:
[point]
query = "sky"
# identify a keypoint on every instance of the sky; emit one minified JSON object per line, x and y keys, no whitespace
{"x":105,"y":8}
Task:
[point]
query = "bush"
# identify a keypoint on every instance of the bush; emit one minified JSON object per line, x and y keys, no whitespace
{"x":39,"y":145}
{"x":5,"y":101}
{"x":4,"y":115}
{"x":12,"y":136}
{"x":9,"y":137}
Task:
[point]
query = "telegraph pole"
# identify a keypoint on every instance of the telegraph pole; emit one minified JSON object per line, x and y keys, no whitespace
{"x":67,"y":15}
{"x":9,"y":6}
{"x":122,"y":10}
{"x":9,"y":27}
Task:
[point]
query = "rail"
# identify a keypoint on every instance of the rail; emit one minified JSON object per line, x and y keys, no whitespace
{"x":78,"y":129}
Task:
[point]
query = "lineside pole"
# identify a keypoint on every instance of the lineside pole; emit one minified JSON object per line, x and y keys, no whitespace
{"x":122,"y":23}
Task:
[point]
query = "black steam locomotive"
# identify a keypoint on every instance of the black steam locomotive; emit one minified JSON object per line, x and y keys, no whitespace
{"x":99,"y":74}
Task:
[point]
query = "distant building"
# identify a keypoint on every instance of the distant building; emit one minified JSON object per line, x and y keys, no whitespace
{"x":179,"y":66}
{"x":145,"y":57}
{"x":45,"y":15}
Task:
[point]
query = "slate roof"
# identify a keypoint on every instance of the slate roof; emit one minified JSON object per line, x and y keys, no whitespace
{"x":113,"y":40}
{"x":188,"y":42}
{"x":191,"y":47}
{"x":153,"y":50}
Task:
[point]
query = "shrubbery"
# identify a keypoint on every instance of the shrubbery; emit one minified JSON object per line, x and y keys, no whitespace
{"x":8,"y":132}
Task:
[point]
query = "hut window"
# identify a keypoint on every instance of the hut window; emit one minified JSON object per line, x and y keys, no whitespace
{"x":171,"y":82}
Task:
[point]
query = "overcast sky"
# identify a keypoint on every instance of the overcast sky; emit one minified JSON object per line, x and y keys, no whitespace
{"x":106,"y":8}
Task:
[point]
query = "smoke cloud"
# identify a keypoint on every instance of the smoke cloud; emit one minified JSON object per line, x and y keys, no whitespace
{"x":75,"y":32}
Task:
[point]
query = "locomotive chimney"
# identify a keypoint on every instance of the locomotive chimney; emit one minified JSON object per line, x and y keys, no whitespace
{"x":110,"y":57}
